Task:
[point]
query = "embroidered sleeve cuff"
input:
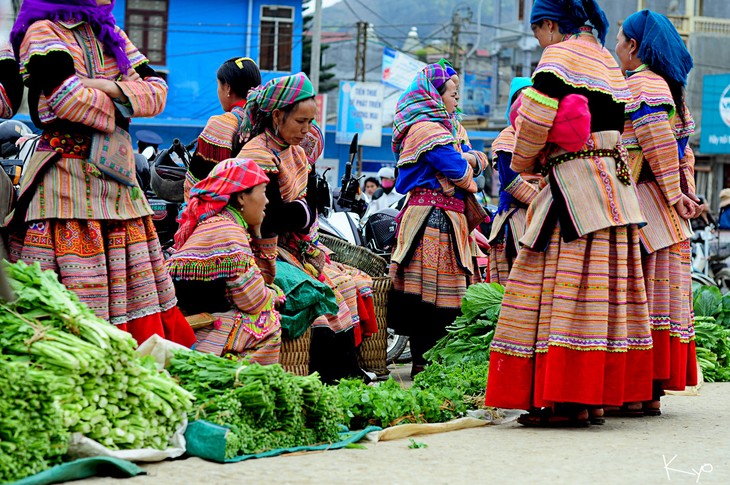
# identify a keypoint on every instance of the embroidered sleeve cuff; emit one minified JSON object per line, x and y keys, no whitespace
{"x":522,"y":190}
{"x":146,"y":97}
{"x":265,"y":248}
{"x":6,"y":109}
{"x":535,"y":95}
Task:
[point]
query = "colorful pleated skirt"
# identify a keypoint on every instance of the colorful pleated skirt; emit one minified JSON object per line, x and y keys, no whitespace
{"x":227,"y":336}
{"x":668,"y":277}
{"x":115,"y":267}
{"x":574,"y":325}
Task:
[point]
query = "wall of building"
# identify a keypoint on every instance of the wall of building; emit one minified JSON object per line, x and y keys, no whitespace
{"x":200,"y":39}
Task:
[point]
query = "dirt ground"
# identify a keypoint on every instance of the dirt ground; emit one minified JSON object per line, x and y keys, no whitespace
{"x":693,"y":434}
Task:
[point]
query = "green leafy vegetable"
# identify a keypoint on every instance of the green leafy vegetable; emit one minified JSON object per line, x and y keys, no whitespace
{"x":32,"y":432}
{"x":471,"y":334}
{"x":265,"y":407}
{"x":110,"y":394}
{"x":707,"y":301}
{"x":440,"y":393}
{"x":416,"y":444}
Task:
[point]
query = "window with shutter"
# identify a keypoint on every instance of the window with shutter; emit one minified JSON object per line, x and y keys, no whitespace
{"x":276,"y":38}
{"x":146,"y":26}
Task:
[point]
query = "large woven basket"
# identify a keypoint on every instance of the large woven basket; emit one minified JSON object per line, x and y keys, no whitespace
{"x":374,"y":350}
{"x":356,"y":256}
{"x":294,"y":356}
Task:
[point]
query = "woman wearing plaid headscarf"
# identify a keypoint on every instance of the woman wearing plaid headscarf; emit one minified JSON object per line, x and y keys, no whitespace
{"x":214,"y":268}
{"x":280,"y":119}
{"x":431,"y":262}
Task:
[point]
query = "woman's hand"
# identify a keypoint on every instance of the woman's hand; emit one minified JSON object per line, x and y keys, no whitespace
{"x":686,"y":207}
{"x":100,"y":84}
{"x":700,"y":207}
{"x":471,"y":158}
{"x":255,"y":231}
{"x":106,"y":86}
{"x":131,"y":76}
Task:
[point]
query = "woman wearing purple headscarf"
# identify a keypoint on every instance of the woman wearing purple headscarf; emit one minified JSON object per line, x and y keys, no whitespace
{"x":431,"y":265}
{"x":80,"y":211}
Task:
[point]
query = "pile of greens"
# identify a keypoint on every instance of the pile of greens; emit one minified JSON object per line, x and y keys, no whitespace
{"x":440,"y":393}
{"x":469,"y":337}
{"x":712,"y":333}
{"x":32,"y":434}
{"x":109,"y":394}
{"x":265,"y":407}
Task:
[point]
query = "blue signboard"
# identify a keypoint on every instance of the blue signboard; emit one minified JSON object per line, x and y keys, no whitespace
{"x":361,"y":112}
{"x":477,"y":94}
{"x":715,"y":133}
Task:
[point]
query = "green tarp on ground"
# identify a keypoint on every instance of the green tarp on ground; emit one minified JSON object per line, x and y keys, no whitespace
{"x":208,"y":441}
{"x":102,"y":466}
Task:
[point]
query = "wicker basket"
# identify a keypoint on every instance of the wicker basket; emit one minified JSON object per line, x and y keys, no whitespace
{"x":294,"y":356}
{"x":374,"y":350}
{"x":356,"y":256}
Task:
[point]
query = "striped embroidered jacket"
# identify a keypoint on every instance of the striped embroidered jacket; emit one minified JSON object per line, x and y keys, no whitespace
{"x":288,"y":162}
{"x":219,"y":248}
{"x":584,"y":194}
{"x":59,"y":178}
{"x":217,"y":142}
{"x":421,"y":138}
{"x":8,"y":82}
{"x":522,"y":190}
{"x":661,"y":161}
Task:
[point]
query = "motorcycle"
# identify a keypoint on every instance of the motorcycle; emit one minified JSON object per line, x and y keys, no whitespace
{"x":710,"y":259}
{"x":165,"y":192}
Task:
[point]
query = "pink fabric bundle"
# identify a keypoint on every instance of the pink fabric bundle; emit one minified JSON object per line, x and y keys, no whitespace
{"x":572,"y":125}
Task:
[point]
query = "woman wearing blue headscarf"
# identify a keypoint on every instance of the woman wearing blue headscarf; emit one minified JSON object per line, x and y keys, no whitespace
{"x":515,"y":194}
{"x":574,"y":325}
{"x":658,"y":127}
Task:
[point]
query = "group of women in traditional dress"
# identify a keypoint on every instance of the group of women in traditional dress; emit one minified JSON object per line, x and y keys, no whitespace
{"x":590,"y":239}
{"x":250,"y":202}
{"x":597,"y":314}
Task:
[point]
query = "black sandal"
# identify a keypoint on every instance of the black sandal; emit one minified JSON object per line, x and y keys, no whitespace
{"x":594,"y":418}
{"x":547,"y":418}
{"x":624,"y":412}
{"x":656,"y":395}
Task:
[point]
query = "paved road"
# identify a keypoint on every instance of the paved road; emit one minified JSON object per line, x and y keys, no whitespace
{"x":693,"y":433}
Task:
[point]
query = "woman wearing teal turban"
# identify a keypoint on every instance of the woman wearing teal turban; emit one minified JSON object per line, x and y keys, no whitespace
{"x":656,"y":135}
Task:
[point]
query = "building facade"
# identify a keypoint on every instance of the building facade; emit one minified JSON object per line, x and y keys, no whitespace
{"x":187,"y":40}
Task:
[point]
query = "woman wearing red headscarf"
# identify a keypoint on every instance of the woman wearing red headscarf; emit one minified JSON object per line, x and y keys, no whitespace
{"x":80,"y":211}
{"x":214,"y":267}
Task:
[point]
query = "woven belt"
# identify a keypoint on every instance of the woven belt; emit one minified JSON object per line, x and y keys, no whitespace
{"x":426,"y":197}
{"x":620,"y":154}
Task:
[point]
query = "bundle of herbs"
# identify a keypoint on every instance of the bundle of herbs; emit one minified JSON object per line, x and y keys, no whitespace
{"x":712,"y":333}
{"x":265,"y":407}
{"x":440,"y":393}
{"x":471,"y":334}
{"x":32,"y":432}
{"x":109,"y":393}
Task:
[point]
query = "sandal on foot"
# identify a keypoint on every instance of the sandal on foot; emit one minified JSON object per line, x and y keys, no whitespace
{"x":623,"y":412}
{"x":595,"y":418}
{"x":652,"y":408}
{"x":547,"y":418}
